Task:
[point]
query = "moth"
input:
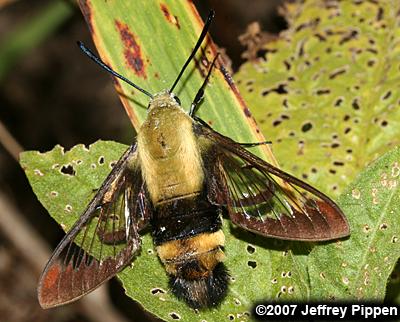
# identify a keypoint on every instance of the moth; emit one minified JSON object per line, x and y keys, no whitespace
{"x":179,"y":178}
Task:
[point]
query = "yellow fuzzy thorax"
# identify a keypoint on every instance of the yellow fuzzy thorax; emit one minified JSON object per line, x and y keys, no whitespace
{"x":168,"y":151}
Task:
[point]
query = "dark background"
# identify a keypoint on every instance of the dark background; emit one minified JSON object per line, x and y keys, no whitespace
{"x":53,"y":95}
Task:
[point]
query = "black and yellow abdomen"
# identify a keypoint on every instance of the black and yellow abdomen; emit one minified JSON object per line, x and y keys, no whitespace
{"x":189,"y":241}
{"x":186,"y":227}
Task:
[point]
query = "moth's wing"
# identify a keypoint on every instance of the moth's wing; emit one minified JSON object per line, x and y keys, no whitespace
{"x":264,"y":199}
{"x":104,"y":239}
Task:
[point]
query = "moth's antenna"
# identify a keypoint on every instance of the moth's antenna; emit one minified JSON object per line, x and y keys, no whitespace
{"x":199,"y":41}
{"x":98,"y":61}
{"x":200,"y":92}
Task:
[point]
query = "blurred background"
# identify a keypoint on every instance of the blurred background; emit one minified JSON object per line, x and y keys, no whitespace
{"x":50,"y":94}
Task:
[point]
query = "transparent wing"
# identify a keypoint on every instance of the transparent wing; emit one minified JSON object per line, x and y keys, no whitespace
{"x":267,"y":201}
{"x":104,"y":239}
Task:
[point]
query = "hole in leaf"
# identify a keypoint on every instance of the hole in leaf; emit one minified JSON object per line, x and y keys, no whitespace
{"x":285,"y":103}
{"x":285,"y":117}
{"x":252,"y":264}
{"x":101,"y":160}
{"x":281,"y":89}
{"x":250,"y":249}
{"x":306,"y":127}
{"x":337,"y":73}
{"x":287,"y":64}
{"x":323,"y":91}
{"x":155,"y":291}
{"x":231,"y":317}
{"x":338,"y":163}
{"x":276,"y":123}
{"x":355,"y":104}
{"x":68,"y":170}
{"x":174,"y":316}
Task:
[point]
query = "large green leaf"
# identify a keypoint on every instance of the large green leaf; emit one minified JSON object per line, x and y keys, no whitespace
{"x":326,"y":91}
{"x":359,"y":267}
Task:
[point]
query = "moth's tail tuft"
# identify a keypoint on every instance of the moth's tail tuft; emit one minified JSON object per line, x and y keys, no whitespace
{"x":204,"y":292}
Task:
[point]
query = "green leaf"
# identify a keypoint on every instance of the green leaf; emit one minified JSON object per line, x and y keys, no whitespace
{"x":64,"y":182}
{"x":358,"y":268}
{"x":326,"y":91}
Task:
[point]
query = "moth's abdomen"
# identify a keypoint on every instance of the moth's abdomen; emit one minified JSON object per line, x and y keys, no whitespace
{"x":189,"y":240}
{"x":196,"y":272}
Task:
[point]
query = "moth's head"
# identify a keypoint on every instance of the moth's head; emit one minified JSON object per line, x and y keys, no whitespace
{"x":164,"y":99}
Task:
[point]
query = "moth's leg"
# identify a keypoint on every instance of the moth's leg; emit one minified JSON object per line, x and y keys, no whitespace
{"x":200,"y":93}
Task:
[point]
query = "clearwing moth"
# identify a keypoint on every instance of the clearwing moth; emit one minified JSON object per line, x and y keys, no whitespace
{"x":178,"y":178}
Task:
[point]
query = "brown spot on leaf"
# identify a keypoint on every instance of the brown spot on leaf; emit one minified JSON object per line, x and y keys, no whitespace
{"x":132,"y":51}
{"x":247,"y":112}
{"x":170,"y":18}
{"x":87,"y":13}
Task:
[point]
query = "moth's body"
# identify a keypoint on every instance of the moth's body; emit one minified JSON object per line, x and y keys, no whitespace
{"x":185,"y":225}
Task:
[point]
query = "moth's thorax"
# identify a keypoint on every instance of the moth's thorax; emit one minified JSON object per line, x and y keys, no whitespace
{"x":168,"y":151}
